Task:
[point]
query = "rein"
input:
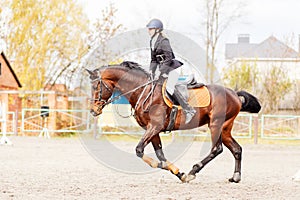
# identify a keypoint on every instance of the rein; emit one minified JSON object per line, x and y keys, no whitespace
{"x":110,"y":100}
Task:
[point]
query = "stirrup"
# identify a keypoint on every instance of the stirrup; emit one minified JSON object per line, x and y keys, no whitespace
{"x":189,"y":116}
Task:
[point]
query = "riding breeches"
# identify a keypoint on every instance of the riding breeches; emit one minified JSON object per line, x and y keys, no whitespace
{"x":172,"y":80}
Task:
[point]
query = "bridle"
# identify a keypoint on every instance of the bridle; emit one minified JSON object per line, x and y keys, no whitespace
{"x":101,"y":83}
{"x":110,"y":100}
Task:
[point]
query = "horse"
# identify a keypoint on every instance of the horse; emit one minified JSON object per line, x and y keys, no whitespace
{"x":151,"y":112}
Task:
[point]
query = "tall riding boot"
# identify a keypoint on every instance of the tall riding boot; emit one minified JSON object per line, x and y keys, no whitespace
{"x":188,"y":110}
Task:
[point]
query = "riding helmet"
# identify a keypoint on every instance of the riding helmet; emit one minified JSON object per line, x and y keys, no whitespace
{"x":155,"y":23}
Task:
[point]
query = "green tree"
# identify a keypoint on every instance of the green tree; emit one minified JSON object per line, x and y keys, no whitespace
{"x":241,"y":77}
{"x":44,"y":38}
{"x":275,"y":86}
{"x":270,"y":87}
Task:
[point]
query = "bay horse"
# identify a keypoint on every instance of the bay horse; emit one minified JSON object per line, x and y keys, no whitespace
{"x":136,"y":85}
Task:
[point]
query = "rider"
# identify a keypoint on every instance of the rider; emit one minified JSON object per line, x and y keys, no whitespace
{"x":163,"y":56}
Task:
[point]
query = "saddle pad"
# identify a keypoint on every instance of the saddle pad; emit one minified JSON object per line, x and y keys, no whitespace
{"x":198,"y":97}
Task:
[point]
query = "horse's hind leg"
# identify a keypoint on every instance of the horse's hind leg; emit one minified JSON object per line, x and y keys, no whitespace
{"x":216,"y":149}
{"x":235,"y":149}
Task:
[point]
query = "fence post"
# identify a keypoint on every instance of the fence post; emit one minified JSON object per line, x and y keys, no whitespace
{"x":52,"y":98}
{"x":16,"y":123}
{"x":255,"y":129}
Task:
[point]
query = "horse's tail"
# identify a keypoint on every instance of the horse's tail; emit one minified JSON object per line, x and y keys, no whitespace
{"x":249,"y":102}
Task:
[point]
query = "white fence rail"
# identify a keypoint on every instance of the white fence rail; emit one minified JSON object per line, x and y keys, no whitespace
{"x":59,"y":121}
{"x":113,"y":121}
{"x":283,"y":127}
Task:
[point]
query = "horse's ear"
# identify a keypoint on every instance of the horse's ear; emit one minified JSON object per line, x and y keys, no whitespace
{"x":90,"y":72}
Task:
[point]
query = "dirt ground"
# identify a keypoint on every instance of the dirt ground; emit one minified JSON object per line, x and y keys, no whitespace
{"x":38,"y":168}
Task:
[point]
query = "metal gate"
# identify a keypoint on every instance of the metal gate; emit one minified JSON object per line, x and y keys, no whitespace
{"x":285,"y":127}
{"x":59,"y":121}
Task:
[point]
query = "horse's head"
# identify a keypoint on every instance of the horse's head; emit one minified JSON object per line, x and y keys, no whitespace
{"x":102,"y":90}
{"x":127,"y":77}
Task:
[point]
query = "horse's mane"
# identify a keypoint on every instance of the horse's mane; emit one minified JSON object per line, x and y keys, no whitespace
{"x":134,"y":65}
{"x":127,"y":65}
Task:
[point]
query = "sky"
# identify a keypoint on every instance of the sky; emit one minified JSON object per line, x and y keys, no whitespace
{"x":259,"y":18}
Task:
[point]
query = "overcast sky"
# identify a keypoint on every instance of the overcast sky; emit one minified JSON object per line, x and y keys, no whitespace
{"x":260,"y":18}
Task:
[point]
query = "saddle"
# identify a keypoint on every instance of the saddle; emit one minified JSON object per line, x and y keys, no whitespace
{"x":198,"y":95}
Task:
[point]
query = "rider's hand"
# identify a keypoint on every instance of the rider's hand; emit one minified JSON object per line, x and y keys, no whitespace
{"x":164,"y":75}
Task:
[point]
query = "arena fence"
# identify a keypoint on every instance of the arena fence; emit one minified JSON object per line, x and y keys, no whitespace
{"x":56,"y":121}
{"x":283,"y":127}
{"x":10,"y":120}
{"x":118,"y":120}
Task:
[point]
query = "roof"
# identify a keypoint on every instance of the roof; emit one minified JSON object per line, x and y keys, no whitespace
{"x":269,"y":48}
{"x":11,"y":70}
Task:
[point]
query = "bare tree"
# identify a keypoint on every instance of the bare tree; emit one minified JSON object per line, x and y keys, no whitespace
{"x":219,"y":15}
{"x":103,"y":30}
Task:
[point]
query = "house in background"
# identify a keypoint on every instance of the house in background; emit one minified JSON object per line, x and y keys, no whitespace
{"x":269,"y":53}
{"x":8,"y":78}
{"x":8,"y":81}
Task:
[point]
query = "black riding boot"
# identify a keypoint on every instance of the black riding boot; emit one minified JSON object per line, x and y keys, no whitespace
{"x":188,"y":110}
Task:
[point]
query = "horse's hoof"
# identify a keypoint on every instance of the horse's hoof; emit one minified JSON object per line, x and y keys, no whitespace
{"x":187,"y":178}
{"x":183,"y":177}
{"x":236,"y":177}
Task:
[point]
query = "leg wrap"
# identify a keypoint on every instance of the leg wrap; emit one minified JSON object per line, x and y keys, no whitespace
{"x":172,"y":168}
{"x":168,"y":166}
{"x":163,"y":165}
{"x":153,"y":163}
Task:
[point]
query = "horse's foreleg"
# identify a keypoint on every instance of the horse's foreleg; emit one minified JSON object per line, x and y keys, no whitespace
{"x":146,"y":139}
{"x":164,"y":164}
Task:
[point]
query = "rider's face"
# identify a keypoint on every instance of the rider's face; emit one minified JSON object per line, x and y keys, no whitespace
{"x":151,"y":31}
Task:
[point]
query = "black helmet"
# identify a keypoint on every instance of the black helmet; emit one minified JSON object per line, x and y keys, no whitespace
{"x":155,"y":23}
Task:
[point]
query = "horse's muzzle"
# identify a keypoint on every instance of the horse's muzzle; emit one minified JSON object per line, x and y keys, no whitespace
{"x":95,"y":114}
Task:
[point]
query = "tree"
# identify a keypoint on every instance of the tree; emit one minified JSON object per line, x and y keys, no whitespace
{"x":275,"y":86}
{"x":296,"y":96}
{"x":271,"y":85}
{"x":44,"y":38}
{"x":104,"y":29}
{"x":218,"y":18}
{"x":242,"y":77}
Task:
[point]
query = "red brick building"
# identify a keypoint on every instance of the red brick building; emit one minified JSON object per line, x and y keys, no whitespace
{"x":9,"y":81}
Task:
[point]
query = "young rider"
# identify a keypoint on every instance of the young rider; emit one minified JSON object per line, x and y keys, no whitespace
{"x":163,"y":57}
